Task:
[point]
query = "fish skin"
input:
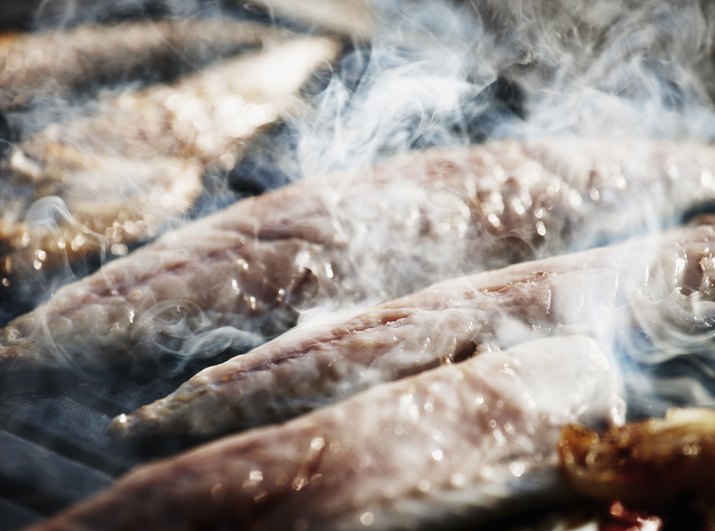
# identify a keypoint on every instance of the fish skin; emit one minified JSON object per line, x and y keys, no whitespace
{"x":310,"y":367}
{"x":143,"y":155}
{"x":439,"y":214}
{"x":466,"y":441}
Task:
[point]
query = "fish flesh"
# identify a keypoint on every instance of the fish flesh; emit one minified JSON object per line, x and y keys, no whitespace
{"x":651,"y":462}
{"x":144,"y":153}
{"x":463,"y":442}
{"x":378,"y":233}
{"x":311,"y":366}
{"x":58,"y":63}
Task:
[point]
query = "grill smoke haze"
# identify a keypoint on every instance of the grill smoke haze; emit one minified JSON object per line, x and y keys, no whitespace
{"x":440,"y":75}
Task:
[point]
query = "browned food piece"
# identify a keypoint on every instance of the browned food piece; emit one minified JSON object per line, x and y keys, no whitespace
{"x":379,"y":233}
{"x":55,"y":63}
{"x":119,"y":175}
{"x":312,"y":366}
{"x":467,"y":441}
{"x":645,"y":463}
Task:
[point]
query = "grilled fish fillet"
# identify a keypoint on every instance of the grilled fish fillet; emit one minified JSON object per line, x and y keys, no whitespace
{"x":138,"y":160}
{"x":56,"y":63}
{"x":312,"y":366}
{"x":464,"y":441}
{"x":380,"y":233}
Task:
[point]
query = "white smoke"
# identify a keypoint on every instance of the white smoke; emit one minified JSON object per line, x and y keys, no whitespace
{"x":586,"y":68}
{"x":445,"y":74}
{"x":403,"y":91}
{"x":608,"y":69}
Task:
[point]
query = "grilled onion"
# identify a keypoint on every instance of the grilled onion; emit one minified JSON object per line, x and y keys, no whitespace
{"x":644,"y":463}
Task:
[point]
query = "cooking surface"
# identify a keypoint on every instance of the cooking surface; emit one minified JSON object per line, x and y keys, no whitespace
{"x":60,"y":452}
{"x":54,"y":429}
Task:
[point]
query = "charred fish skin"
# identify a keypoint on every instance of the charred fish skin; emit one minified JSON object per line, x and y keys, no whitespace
{"x":438,"y":214}
{"x":463,"y":441}
{"x":53,"y":63}
{"x":312,"y":366}
{"x":144,"y":153}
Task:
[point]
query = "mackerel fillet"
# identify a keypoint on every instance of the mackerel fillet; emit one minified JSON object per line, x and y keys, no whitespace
{"x":462,"y":444}
{"x":311,"y":366}
{"x":377,"y":234}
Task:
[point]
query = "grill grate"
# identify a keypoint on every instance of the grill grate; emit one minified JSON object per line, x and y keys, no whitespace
{"x":54,"y":440}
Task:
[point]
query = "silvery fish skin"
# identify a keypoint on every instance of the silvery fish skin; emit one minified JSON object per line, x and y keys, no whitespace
{"x":312,"y":366}
{"x":55,"y":63}
{"x":463,"y":442}
{"x":379,"y":233}
{"x":144,"y":154}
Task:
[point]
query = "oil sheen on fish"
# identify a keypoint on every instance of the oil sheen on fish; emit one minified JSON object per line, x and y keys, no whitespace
{"x":57,"y":63}
{"x":311,"y":366}
{"x":101,"y":182}
{"x":463,"y":442}
{"x":379,"y":233}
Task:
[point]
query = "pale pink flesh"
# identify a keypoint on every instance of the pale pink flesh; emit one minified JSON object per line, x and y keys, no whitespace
{"x":134,"y":164}
{"x":463,"y":441}
{"x":312,"y":366}
{"x":378,"y":233}
{"x":56,"y":62}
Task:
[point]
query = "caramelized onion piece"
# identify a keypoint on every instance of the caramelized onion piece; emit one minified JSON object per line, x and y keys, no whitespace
{"x":645,"y":463}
